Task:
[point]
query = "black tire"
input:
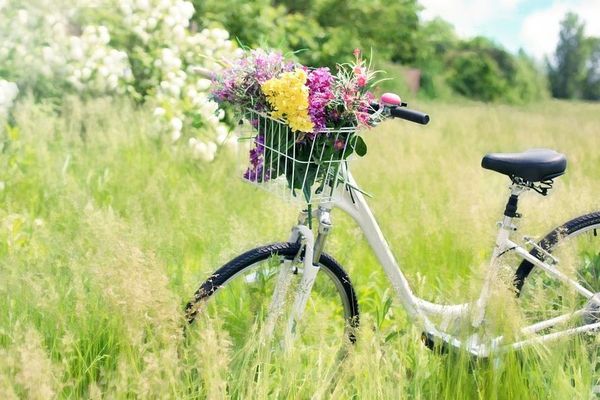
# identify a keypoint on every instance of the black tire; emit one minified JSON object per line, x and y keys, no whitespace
{"x":552,"y":240}
{"x":288,"y":251}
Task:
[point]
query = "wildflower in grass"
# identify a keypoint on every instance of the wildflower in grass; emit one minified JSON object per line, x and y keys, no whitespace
{"x":288,"y":98}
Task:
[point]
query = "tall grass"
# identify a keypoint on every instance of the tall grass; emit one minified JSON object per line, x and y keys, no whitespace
{"x":107,"y":229}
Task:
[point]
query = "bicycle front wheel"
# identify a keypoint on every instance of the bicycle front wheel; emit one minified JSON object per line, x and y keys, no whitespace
{"x":241,"y":296}
{"x":576,"y":248}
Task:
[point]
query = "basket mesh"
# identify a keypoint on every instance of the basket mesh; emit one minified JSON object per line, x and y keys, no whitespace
{"x":303,"y":167}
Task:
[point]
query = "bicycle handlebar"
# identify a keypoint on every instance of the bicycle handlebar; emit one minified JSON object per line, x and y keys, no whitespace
{"x":399,"y":111}
{"x":409,"y":115}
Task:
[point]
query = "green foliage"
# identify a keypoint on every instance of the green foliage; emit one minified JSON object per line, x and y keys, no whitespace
{"x":483,"y":71}
{"x":389,"y":29}
{"x":591,"y":87}
{"x":328,"y":29}
{"x":574,"y":72}
{"x":324,"y":32}
{"x":476,"y":75}
{"x":567,"y":71}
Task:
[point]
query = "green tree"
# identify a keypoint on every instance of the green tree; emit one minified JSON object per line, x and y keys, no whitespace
{"x":591,"y":87}
{"x":437,"y":40}
{"x":566,"y":71}
{"x":390,"y":29}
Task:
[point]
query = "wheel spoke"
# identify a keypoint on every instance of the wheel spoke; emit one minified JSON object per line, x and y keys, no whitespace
{"x":543,"y":298}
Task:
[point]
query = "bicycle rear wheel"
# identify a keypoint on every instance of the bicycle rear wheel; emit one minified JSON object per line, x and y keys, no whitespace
{"x":240,"y":296}
{"x":576,"y":246}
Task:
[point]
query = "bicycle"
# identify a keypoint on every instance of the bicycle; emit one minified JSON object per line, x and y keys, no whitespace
{"x":559,"y":298}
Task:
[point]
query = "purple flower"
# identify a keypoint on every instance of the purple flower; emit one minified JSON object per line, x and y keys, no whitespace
{"x":319,"y":83}
{"x":256,"y":172}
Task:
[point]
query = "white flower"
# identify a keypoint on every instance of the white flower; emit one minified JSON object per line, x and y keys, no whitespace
{"x":47,"y":54}
{"x":22,"y":16}
{"x":170,"y":59}
{"x":176,"y":123}
{"x":175,"y":135}
{"x":103,"y":34}
{"x":86,"y":73}
{"x":143,"y":4}
{"x":226,"y":138}
{"x":152,"y":22}
{"x":8,"y":93}
{"x":203,"y":151}
{"x":212,"y":147}
{"x":159,"y":112}
{"x":203,"y":84}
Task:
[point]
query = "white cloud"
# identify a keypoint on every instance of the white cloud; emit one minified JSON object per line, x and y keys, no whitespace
{"x":538,"y":33}
{"x":540,"y":29}
{"x":468,"y":16}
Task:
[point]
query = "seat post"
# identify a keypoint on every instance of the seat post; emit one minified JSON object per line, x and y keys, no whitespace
{"x":511,"y":206}
{"x":510,"y":211}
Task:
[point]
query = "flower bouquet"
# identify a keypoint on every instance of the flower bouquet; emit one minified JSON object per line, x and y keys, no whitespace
{"x":304,"y":119}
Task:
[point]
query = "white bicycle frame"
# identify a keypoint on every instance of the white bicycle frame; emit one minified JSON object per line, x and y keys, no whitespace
{"x":352,"y":201}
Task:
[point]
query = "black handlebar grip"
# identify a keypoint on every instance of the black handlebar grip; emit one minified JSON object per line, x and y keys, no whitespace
{"x":410,"y":115}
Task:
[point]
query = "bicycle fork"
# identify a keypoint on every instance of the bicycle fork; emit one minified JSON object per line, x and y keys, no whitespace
{"x":313,"y":249}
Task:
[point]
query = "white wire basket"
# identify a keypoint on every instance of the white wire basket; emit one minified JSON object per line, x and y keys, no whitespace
{"x":297,"y":167}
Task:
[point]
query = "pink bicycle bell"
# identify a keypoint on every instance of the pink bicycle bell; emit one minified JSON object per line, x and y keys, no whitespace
{"x":391,"y":99}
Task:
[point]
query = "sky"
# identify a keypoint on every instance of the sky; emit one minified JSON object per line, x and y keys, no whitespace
{"x":529,"y":24}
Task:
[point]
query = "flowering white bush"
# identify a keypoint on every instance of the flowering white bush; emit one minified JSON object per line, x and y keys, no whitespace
{"x":8,"y":93}
{"x":39,"y":47}
{"x":92,"y":65}
{"x":152,"y":56}
{"x":26,"y":30}
{"x":181,"y":95}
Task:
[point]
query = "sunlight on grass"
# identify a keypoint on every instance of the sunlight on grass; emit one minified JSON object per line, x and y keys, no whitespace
{"x":106,"y":231}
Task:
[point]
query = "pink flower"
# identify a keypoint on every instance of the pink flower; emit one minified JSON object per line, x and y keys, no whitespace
{"x":363,"y":118}
{"x":338,"y":145}
{"x":348,"y":100}
{"x":356,"y":52}
{"x":358,"y":70}
{"x":362,"y":80}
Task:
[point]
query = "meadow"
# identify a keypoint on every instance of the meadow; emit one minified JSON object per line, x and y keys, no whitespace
{"x":107,"y":229}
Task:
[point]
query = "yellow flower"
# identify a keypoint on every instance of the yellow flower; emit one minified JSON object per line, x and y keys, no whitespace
{"x":288,"y":97}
